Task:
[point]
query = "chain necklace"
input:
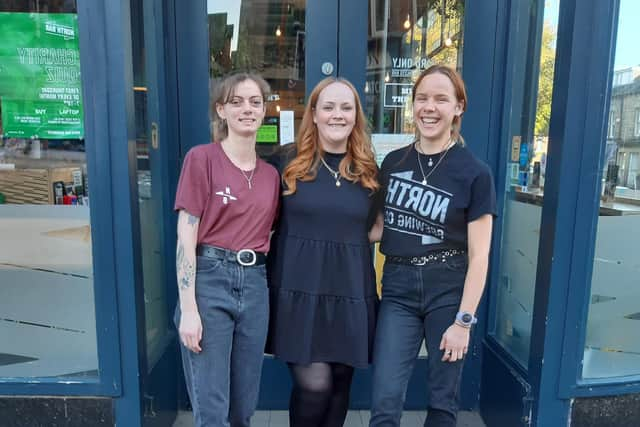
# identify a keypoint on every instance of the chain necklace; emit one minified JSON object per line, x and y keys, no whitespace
{"x":336,"y":174}
{"x":450,"y":144}
{"x":250,"y":177}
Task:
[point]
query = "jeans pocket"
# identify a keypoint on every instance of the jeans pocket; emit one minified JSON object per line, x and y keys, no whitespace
{"x":390,"y":269}
{"x":262,"y":271}
{"x":397,"y":281}
{"x":457,"y":263}
{"x":206,"y":264}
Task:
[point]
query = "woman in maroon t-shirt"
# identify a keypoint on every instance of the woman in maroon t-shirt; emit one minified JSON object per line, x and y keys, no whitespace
{"x":227,"y":200}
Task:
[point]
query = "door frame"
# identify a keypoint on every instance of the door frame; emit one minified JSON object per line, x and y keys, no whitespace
{"x":337,"y":34}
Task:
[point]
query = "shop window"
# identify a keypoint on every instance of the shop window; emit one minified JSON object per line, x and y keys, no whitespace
{"x":47,"y":311}
{"x":612,"y":346}
{"x":405,"y":38}
{"x":265,"y":37}
{"x":534,"y":51}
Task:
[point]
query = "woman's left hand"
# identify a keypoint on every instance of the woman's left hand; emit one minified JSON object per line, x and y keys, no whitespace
{"x":455,"y":342}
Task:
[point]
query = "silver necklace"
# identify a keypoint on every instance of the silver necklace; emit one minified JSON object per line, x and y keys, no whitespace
{"x":336,"y":174}
{"x":419,"y":150}
{"x":250,"y":177}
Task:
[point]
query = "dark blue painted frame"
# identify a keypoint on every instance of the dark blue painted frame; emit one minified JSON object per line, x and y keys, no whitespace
{"x":579,"y":117}
{"x":172,"y":132}
{"x":107,"y":107}
{"x":506,"y":68}
{"x":484,"y":26}
{"x":577,"y":129}
{"x":352,"y":36}
{"x":164,"y":173}
{"x":509,"y":67}
{"x":192,"y":71}
{"x":108,"y":26}
{"x":321,"y":40}
{"x":601,"y":38}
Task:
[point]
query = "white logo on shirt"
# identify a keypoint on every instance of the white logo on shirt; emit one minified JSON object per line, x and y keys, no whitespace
{"x":417,"y":209}
{"x":226,"y":195}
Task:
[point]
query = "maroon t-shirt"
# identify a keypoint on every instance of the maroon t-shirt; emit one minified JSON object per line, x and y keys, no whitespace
{"x":232,"y":215}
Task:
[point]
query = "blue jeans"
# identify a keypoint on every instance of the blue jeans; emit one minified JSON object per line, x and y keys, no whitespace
{"x":224,"y":379}
{"x":417,"y":302}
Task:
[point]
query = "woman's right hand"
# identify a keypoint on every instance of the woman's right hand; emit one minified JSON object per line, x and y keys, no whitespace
{"x":191,"y":330}
{"x":375,"y":234}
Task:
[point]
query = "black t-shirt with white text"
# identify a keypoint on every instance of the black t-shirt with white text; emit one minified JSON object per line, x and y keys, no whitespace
{"x":422,"y":218}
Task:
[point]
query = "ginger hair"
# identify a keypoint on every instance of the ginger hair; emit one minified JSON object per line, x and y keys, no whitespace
{"x":359,"y":164}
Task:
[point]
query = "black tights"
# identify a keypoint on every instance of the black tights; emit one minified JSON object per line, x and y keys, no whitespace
{"x":320,"y":395}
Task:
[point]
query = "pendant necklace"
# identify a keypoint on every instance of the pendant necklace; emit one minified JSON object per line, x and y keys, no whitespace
{"x":450,"y":144}
{"x":336,"y":174}
{"x":250,"y":177}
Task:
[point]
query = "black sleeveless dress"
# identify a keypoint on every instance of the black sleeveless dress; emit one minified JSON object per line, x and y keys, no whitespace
{"x":323,"y":298}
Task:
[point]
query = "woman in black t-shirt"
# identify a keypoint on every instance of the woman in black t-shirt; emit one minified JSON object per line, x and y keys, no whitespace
{"x":435,"y":228}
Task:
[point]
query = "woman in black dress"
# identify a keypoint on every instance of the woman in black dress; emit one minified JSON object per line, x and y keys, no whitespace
{"x":321,"y":277}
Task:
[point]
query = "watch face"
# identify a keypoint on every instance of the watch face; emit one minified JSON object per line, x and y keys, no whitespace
{"x":466,"y":318}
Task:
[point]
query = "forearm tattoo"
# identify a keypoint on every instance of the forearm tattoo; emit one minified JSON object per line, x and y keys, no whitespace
{"x":185,"y":268}
{"x":192,"y":220}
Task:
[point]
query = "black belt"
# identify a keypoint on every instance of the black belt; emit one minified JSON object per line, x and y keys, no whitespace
{"x":440,"y":255}
{"x":244,"y":257}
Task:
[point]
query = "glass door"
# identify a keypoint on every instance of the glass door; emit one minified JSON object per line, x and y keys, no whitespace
{"x":148,"y":160}
{"x":266,"y":37}
{"x":405,"y":38}
{"x":215,"y":38}
{"x":380,"y":45}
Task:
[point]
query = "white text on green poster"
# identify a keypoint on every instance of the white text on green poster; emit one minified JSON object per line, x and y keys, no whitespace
{"x":40,"y":86}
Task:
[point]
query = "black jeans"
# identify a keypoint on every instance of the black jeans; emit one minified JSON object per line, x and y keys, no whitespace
{"x":417,"y":302}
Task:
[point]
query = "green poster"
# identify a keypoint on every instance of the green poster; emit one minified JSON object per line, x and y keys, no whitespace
{"x":40,"y":87}
{"x":267,"y":134}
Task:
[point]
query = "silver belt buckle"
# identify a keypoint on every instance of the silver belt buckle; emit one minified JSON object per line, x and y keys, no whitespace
{"x":419,"y":260}
{"x":254,"y":258}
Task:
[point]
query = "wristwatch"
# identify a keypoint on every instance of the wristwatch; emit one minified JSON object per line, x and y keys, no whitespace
{"x":466,"y":319}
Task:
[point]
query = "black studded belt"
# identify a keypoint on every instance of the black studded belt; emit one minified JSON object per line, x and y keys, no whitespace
{"x":430,"y":258}
{"x":244,"y":257}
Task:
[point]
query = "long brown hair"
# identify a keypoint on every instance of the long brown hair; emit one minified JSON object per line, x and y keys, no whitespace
{"x":458,"y":86}
{"x":359,"y":165}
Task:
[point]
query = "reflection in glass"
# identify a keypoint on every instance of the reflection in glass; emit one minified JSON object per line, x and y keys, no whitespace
{"x":148,"y":171}
{"x":405,"y":38}
{"x":612,"y":347}
{"x":528,"y":123}
{"x":266,"y":37}
{"x":47,"y":312}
